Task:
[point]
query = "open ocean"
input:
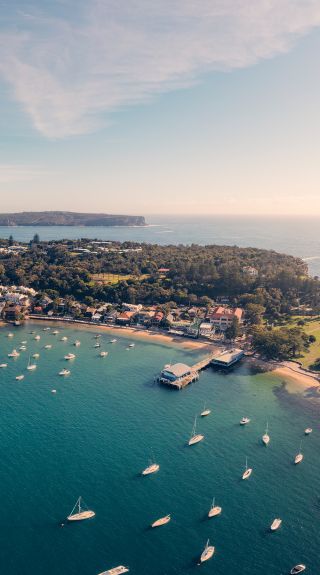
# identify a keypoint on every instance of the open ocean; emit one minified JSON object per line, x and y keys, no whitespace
{"x":295,"y":236}
{"x":94,"y":437}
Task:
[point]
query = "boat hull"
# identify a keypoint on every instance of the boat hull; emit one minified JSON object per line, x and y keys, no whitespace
{"x":247,"y":474}
{"x":81,"y":516}
{"x":162,"y":521}
{"x":207,"y":554}
{"x":195,"y":439}
{"x":151,"y":469}
{"x":215,"y":511}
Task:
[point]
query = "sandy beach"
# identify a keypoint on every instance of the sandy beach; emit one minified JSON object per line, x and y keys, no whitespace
{"x":298,"y":379}
{"x":132,"y":332}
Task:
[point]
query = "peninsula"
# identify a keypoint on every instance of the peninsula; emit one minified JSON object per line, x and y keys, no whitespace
{"x":57,"y":218}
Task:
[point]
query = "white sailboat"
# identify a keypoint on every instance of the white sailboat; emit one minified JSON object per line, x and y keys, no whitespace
{"x":299,"y":457}
{"x":36,"y":355}
{"x":247,"y":472}
{"x":152,"y":467}
{"x":79,"y":514}
{"x":308,"y":431}
{"x":2,"y":365}
{"x":207,"y":552}
{"x":115,"y":571}
{"x":276,"y":523}
{"x":19,"y":377}
{"x":112,"y":341}
{"x":214,"y":510}
{"x":205,"y":411}
{"x":64,"y":338}
{"x":31,"y":366}
{"x":103,"y":353}
{"x":266,"y":436}
{"x":48,"y":346}
{"x":195,"y":437}
{"x":37,"y":337}
{"x":77,"y":343}
{"x":161,"y":521}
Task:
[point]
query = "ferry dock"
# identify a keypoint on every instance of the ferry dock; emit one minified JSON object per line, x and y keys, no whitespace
{"x":179,"y":375}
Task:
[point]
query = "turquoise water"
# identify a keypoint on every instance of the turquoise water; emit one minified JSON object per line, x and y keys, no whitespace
{"x":94,"y":437}
{"x":295,"y":236}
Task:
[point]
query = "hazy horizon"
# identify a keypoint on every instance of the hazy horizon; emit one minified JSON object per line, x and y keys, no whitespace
{"x":178,"y":108}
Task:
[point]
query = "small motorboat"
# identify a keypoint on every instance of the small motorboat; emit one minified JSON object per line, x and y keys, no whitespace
{"x":55,"y":332}
{"x":37,"y":337}
{"x":64,"y":372}
{"x":153,"y":468}
{"x":64,"y":338}
{"x":20,"y":377}
{"x":46,"y":329}
{"x":207,"y":552}
{"x":24,"y":342}
{"x":48,"y":346}
{"x":214,"y":510}
{"x":247,"y":472}
{"x":77,"y":343}
{"x":103,"y":353}
{"x":14,"y":353}
{"x":97,"y":336}
{"x":22,"y":348}
{"x":112,"y":341}
{"x":297,"y":569}
{"x":276,"y":523}
{"x":244,"y":421}
{"x":69,"y":356}
{"x":308,"y":431}
{"x":161,"y":521}
{"x":53,"y":391}
{"x":2,"y":365}
{"x":266,"y":436}
{"x":97,"y":345}
{"x":36,"y":355}
{"x":10,"y":335}
{"x":131,"y":344}
{"x":115,"y":571}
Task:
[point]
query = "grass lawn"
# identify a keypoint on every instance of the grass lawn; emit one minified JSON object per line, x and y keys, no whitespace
{"x":311,"y":327}
{"x":113,"y":279}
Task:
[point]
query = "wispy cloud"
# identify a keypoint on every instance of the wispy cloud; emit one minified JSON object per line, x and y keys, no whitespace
{"x":10,"y":173}
{"x":68,"y":71}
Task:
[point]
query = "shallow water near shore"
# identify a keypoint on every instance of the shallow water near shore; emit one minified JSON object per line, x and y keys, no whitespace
{"x":94,"y":436}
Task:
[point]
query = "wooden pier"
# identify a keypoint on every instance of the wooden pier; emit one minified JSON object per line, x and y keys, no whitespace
{"x":190,"y":377}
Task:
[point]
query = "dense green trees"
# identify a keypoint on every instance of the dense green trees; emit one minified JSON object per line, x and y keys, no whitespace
{"x":283,"y":343}
{"x":197,"y":275}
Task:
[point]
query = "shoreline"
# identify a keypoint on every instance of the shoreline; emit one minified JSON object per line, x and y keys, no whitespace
{"x":294,"y":376}
{"x":129,"y":331}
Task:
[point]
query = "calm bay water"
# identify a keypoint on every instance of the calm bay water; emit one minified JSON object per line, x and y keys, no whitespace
{"x":94,"y":437}
{"x":295,"y":236}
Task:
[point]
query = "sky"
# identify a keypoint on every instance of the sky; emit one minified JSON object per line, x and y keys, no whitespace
{"x":174,"y":107}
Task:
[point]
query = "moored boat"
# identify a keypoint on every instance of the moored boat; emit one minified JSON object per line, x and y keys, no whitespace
{"x":161,"y":521}
{"x":79,"y":513}
{"x":48,"y":346}
{"x":153,"y":468}
{"x":214,"y":510}
{"x":244,"y":421}
{"x":276,"y":523}
{"x":308,"y":431}
{"x":37,"y":337}
{"x":297,"y":569}
{"x":64,"y":372}
{"x":247,"y":472}
{"x":103,"y":353}
{"x":266,"y":436}
{"x":205,"y":411}
{"x":207,"y":552}
{"x":112,"y":341}
{"x":19,"y":377}
{"x":31,"y":366}
{"x":77,"y":343}
{"x":195,"y":437}
{"x":299,"y":457}
{"x":14,"y":353}
{"x":69,"y":356}
{"x":115,"y":571}
{"x":2,"y":365}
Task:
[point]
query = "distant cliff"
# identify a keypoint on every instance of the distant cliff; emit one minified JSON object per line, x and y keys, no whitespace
{"x":68,"y":219}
